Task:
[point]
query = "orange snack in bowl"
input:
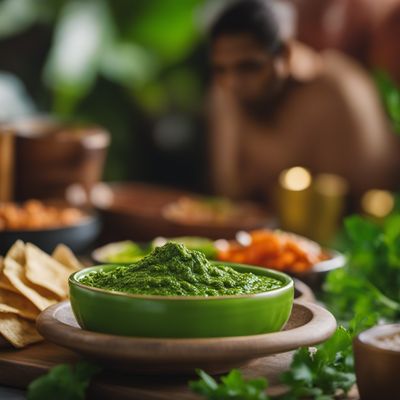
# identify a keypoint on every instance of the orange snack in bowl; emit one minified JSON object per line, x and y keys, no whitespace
{"x":274,"y":249}
{"x":34,"y":214}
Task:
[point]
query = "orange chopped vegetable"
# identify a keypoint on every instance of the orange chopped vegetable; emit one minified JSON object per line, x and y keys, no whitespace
{"x":274,"y":249}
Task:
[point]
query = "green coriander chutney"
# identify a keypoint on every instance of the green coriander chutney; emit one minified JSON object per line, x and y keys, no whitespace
{"x":173,"y":270}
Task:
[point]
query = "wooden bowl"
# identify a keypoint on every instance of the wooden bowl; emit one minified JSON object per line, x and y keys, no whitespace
{"x":50,"y":156}
{"x":135,"y":211}
{"x":308,"y":325}
{"x":303,"y":292}
{"x":377,"y":368}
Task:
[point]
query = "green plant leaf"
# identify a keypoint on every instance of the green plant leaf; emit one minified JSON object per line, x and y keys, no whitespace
{"x":63,"y":382}
{"x":82,"y":34}
{"x":231,"y":387}
{"x":390,"y":94}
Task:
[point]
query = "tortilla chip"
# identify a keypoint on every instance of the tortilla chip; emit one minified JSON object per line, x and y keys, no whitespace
{"x":44,"y":271}
{"x":40,"y":297}
{"x":17,"y":304}
{"x":6,"y":284}
{"x":17,"y":252}
{"x":66,"y":257}
{"x":18,"y":331}
{"x":4,"y":281}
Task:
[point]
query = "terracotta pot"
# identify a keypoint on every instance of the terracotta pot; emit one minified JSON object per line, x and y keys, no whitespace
{"x":51,"y":156}
{"x":377,"y":368}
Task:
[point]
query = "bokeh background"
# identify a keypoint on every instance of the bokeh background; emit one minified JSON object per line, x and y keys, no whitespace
{"x":140,"y":69}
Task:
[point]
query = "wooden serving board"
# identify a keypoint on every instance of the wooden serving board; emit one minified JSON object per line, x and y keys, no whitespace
{"x":19,"y":367}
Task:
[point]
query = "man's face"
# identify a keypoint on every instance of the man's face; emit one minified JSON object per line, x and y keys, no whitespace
{"x":242,"y":67}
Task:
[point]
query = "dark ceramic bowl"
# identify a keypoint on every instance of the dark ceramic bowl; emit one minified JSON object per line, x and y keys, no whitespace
{"x":77,"y":237}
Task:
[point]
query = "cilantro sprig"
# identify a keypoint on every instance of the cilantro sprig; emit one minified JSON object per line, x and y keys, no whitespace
{"x":390,"y":94}
{"x":232,"y":387}
{"x":63,"y":382}
{"x":323,"y":372}
{"x":319,"y":373}
{"x":367,"y":290}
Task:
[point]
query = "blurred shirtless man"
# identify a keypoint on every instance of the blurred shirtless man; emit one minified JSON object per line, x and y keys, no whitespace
{"x":277,"y":104}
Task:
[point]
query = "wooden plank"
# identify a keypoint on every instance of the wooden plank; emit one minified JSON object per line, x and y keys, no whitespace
{"x":19,"y":367}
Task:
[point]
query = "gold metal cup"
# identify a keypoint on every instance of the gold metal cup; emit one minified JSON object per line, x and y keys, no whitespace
{"x":293,"y":199}
{"x":328,"y":203}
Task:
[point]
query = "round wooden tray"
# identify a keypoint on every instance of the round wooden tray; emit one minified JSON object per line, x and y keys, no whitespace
{"x":308,"y":325}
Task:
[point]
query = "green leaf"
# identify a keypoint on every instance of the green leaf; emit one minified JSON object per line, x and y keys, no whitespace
{"x":360,"y":230}
{"x":18,"y":15}
{"x":82,"y":33}
{"x":208,"y":380}
{"x":129,"y":64}
{"x":340,"y":341}
{"x":390,"y":94}
{"x":368,"y":288}
{"x":63,"y":382}
{"x":232,"y":386}
{"x":171,"y":37}
{"x":322,"y":371}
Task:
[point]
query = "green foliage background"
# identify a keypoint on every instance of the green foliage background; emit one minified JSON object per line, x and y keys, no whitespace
{"x":123,"y":64}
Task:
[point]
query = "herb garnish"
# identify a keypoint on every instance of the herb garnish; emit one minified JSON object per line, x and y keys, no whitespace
{"x":63,"y":382}
{"x":232,"y":387}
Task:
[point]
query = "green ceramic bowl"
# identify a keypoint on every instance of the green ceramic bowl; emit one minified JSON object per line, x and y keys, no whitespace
{"x":124,"y":314}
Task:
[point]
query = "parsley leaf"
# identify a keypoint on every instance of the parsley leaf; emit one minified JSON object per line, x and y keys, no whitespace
{"x":390,"y":94}
{"x":368,"y":288}
{"x":63,"y":382}
{"x":322,"y":372}
{"x":232,"y":387}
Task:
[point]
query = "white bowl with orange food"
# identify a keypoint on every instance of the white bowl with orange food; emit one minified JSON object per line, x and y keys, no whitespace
{"x":283,"y":251}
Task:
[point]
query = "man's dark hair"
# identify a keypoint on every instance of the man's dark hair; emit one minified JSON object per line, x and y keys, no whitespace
{"x":254,"y":17}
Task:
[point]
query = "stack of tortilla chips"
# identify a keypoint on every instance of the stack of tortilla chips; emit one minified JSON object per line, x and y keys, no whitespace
{"x":30,"y":281}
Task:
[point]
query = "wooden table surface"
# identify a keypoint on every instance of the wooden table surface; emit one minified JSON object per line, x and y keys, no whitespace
{"x":19,"y":367}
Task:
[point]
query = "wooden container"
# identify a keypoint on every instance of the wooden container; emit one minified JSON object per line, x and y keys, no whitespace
{"x":6,"y":164}
{"x":377,"y":367}
{"x":51,"y":156}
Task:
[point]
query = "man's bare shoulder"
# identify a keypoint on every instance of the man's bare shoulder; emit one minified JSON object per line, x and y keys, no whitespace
{"x":341,"y":87}
{"x":344,"y":77}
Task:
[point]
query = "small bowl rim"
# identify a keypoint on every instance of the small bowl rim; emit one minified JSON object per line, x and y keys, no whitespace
{"x":337,"y":260}
{"x":362,"y":338}
{"x":286,"y":279}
